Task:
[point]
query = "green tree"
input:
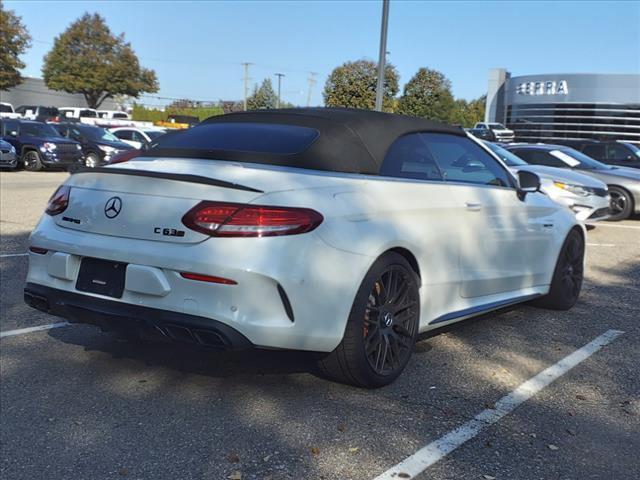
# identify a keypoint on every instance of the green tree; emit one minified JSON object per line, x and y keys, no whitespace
{"x":88,"y":59}
{"x":353,"y":84}
{"x":467,"y":114}
{"x":14,"y":41}
{"x":263,"y":97}
{"x":428,"y":95}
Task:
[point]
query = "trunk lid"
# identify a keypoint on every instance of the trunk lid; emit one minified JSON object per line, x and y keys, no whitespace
{"x":137,"y":206}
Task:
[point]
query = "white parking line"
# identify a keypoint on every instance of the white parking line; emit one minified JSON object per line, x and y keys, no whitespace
{"x":601,"y":244}
{"x":20,"y":331}
{"x":6,"y":255}
{"x":430,"y":454}
{"x":602,"y":224}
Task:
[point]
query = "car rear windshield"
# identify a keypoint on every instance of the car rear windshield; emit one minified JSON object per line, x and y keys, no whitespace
{"x":5,"y":108}
{"x":267,"y":138}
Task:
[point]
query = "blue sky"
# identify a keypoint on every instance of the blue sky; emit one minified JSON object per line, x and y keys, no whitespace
{"x":196,"y":48}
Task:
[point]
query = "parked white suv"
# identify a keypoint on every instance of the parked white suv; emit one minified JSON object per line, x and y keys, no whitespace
{"x":500,"y":132}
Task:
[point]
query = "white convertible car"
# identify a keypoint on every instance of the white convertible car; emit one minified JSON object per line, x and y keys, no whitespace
{"x":335,"y":231}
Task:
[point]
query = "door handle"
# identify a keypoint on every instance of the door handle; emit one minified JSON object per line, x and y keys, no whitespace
{"x":473,"y":207}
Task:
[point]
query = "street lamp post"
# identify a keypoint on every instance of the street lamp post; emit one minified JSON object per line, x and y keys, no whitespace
{"x":383,"y":54}
{"x":279,"y":75}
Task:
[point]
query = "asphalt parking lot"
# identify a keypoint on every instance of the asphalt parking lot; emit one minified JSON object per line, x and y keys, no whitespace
{"x":78,"y":403}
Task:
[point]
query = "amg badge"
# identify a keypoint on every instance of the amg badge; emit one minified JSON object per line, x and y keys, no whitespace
{"x":168,"y":232}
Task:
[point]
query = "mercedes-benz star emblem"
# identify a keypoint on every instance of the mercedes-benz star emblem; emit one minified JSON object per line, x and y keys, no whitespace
{"x":112,"y":207}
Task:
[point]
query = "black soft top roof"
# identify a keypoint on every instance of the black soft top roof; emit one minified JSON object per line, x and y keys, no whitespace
{"x":350,"y":140}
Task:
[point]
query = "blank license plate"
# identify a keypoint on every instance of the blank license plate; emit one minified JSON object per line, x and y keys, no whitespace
{"x":102,"y":277}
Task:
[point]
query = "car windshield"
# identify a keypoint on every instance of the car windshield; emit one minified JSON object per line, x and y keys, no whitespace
{"x":634,"y":148}
{"x":584,"y":162}
{"x":38,"y":130}
{"x":98,"y":134}
{"x":497,"y":125}
{"x":506,"y":156}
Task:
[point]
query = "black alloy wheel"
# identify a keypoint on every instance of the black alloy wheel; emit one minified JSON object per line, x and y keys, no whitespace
{"x":382,"y":327}
{"x":390,"y":321}
{"x":568,"y":275}
{"x":621,"y":204}
{"x":32,"y":161}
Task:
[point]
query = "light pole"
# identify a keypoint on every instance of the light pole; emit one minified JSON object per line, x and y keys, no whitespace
{"x":279,"y":75}
{"x":383,"y":54}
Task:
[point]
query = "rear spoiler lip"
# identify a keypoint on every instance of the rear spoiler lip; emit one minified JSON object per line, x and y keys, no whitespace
{"x":179,"y":177}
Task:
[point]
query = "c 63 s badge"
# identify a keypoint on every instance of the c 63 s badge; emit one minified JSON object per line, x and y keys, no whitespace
{"x":168,"y":232}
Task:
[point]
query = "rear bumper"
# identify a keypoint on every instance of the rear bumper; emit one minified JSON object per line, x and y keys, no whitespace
{"x":112,"y":315}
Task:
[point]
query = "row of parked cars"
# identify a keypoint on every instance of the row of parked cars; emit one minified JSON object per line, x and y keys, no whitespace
{"x":39,"y":145}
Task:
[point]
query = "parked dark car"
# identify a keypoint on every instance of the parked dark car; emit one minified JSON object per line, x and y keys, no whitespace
{"x":623,"y":183}
{"x":8,"y":157}
{"x":39,"y":145}
{"x":623,"y":154}
{"x":98,"y":144}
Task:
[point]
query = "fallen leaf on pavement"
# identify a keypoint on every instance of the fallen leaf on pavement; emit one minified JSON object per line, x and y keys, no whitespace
{"x":315,"y":451}
{"x":488,"y":477}
{"x":233,"y":457}
{"x":553,"y":447}
{"x":353,"y":449}
{"x":404,"y":475}
{"x":342,"y":428}
{"x":237,"y":475}
{"x":581,"y":397}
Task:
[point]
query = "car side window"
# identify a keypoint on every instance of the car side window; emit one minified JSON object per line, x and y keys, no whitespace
{"x":595,"y":151}
{"x":11,"y":126}
{"x":617,"y":152}
{"x":123,"y":134}
{"x":462,"y":160}
{"x":138,"y":137}
{"x":409,"y":157}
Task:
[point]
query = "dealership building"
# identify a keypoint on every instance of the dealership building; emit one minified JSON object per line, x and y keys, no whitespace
{"x":544,"y":108}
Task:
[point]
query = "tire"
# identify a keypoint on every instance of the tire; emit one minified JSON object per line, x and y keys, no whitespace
{"x":567,"y":276}
{"x":382,"y":328}
{"x":621,"y":204}
{"x":31,"y":161}
{"x":92,"y":160}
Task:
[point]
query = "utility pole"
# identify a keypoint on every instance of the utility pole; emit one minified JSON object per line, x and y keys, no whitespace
{"x":246,"y":83}
{"x":383,"y":54}
{"x":312,"y":81}
{"x":279,"y":75}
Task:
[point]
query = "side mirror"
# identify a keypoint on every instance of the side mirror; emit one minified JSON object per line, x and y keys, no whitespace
{"x":528,"y":182}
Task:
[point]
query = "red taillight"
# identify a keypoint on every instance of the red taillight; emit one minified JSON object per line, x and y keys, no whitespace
{"x":59,"y":200}
{"x":207,"y":278}
{"x":220,"y":219}
{"x":124,"y":156}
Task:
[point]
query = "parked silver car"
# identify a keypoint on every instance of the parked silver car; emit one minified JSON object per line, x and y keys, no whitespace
{"x":623,"y":183}
{"x":587,"y":197}
{"x":8,"y":156}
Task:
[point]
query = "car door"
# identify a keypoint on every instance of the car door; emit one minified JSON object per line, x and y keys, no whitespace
{"x":411,"y":198}
{"x":503,"y":238}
